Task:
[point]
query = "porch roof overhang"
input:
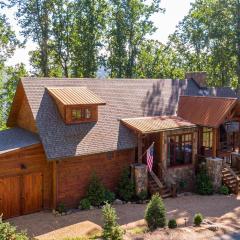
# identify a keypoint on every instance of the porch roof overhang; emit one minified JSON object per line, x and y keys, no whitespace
{"x":147,"y":125}
{"x":207,"y":111}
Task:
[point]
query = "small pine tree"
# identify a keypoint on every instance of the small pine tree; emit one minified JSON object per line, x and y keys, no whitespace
{"x":126,"y":187}
{"x":96,"y":191}
{"x":155,"y":214}
{"x":111,"y":230}
{"x":198,"y":218}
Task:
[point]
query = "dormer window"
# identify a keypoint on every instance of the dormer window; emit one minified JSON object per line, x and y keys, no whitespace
{"x":76,"y":104}
{"x":81,"y":114}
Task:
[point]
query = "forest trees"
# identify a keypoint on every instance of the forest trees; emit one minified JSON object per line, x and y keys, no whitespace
{"x":9,"y":76}
{"x":208,"y":39}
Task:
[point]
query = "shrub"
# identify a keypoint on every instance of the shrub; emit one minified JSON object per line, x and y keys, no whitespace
{"x":61,"y":208}
{"x":224,"y":190}
{"x":96,"y":191}
{"x":111,"y":230}
{"x":109,"y":196}
{"x":142,"y":195}
{"x":9,"y":232}
{"x":172,"y":223}
{"x":204,"y":184}
{"x":85,"y":204}
{"x":126,"y":187}
{"x":198,"y":218}
{"x":155,"y":214}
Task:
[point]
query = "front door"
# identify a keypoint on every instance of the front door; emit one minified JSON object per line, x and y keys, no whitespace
{"x":32,"y":193}
{"x":10,"y":194}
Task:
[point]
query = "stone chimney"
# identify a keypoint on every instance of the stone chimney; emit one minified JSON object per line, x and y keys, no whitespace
{"x":199,"y":77}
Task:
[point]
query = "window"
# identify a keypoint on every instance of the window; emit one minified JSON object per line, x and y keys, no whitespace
{"x":76,"y":114}
{"x":207,"y":138}
{"x":81,"y":114}
{"x":88,"y":113}
{"x":179,"y":149}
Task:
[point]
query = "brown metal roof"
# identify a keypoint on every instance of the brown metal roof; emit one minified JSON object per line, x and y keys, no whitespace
{"x":205,"y":111}
{"x":75,"y":96}
{"x":156,"y":124}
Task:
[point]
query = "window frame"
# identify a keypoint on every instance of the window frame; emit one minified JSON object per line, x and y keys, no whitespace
{"x":83,"y":116}
{"x":207,"y":133}
{"x":179,"y":142}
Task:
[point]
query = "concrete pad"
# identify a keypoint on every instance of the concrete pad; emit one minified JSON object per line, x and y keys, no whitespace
{"x":82,"y":229}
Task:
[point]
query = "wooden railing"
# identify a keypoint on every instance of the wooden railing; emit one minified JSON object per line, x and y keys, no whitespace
{"x":157,"y":181}
{"x":169,"y":180}
{"x":234,"y":175}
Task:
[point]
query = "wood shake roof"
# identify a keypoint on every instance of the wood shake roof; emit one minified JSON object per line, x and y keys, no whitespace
{"x":156,"y":124}
{"x":205,"y":111}
{"x":75,"y":96}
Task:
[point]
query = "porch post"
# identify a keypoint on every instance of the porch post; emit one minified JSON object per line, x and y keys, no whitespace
{"x":214,"y":143}
{"x":140,"y":146}
{"x":161,"y":152}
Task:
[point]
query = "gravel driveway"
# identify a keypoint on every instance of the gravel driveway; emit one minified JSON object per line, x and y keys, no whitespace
{"x":218,"y":208}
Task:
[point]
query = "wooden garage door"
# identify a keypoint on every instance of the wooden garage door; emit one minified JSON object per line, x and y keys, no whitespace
{"x":10,"y":196}
{"x":21,"y":194}
{"x":32,"y":193}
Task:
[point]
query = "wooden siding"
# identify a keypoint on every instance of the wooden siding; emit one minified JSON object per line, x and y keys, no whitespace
{"x":21,"y":114}
{"x":27,"y":164}
{"x":73,"y":175}
{"x":25,"y":118}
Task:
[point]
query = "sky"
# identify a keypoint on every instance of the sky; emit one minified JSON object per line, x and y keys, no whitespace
{"x":166,"y":24}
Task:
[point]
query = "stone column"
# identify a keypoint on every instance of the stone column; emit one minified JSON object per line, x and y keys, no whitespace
{"x":140,"y":176}
{"x":214,"y":171}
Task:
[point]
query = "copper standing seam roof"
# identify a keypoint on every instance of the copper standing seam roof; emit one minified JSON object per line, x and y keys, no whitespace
{"x":205,"y":111}
{"x":75,"y":96}
{"x":156,"y":124}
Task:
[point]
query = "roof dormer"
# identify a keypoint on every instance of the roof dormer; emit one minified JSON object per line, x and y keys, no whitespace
{"x":76,"y":104}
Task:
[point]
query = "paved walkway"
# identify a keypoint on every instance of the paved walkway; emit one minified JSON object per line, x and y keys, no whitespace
{"x":218,"y":208}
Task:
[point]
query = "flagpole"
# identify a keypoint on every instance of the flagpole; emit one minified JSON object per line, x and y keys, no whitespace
{"x":145,"y":151}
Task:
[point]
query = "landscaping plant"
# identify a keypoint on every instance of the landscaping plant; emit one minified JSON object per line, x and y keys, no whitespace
{"x":198,"y":218}
{"x":224,"y":190}
{"x":85,"y":204}
{"x":109,"y":196}
{"x":61,"y":208}
{"x":155,"y":214}
{"x":172,"y":223}
{"x":143,"y":195}
{"x":204,"y":184}
{"x":96,"y":191}
{"x":9,"y":232}
{"x":111,"y":229}
{"x":126,"y":189}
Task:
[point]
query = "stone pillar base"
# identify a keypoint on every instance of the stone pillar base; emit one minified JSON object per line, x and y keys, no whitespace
{"x":140,"y":177}
{"x":214,"y":171}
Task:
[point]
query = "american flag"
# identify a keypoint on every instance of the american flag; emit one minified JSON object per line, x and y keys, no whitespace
{"x":150,"y":157}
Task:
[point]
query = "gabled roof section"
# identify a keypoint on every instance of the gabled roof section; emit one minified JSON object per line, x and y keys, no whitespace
{"x":125,"y":98}
{"x":146,"y":125}
{"x":205,"y":111}
{"x":16,"y":138}
{"x":75,"y":96}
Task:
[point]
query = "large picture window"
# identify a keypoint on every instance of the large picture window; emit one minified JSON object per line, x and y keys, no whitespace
{"x":179,"y":149}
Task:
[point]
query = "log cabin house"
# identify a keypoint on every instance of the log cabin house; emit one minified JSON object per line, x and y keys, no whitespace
{"x":63,"y":130}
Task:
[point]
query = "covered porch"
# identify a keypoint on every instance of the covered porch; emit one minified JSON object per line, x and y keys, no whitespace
{"x":218,"y":121}
{"x":175,"y":148}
